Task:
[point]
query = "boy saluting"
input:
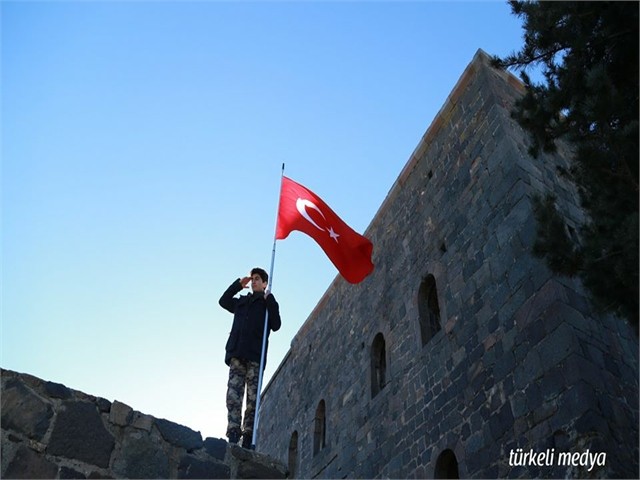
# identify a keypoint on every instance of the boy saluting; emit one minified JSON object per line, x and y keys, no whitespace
{"x":244,"y":348}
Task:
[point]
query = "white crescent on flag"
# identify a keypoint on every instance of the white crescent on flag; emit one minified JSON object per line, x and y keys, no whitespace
{"x":301,"y":205}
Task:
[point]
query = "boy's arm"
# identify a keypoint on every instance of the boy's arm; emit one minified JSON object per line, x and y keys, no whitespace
{"x":227,"y":300}
{"x":274,"y":313}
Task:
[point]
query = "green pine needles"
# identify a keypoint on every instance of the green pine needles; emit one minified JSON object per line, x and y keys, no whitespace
{"x":588,"y":56}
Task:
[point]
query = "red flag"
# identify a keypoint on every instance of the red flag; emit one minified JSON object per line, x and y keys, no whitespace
{"x":301,"y":209}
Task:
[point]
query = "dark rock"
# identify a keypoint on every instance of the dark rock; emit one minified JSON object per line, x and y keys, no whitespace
{"x":179,"y":435}
{"x":120,"y":414}
{"x":501,"y":422}
{"x":561,"y":441}
{"x":259,"y":470}
{"x":475,"y":442}
{"x":216,"y":447}
{"x":66,"y":472}
{"x":191,"y":467}
{"x":242,"y":454}
{"x":103,"y":404}
{"x":57,"y":390}
{"x":551,"y":384}
{"x":80,"y":434}
{"x":140,"y":457}
{"x":592,"y":423}
{"x":25,"y":412}
{"x":98,"y":475}
{"x":253,"y":465}
{"x":519,"y":404}
{"x":28,"y":464}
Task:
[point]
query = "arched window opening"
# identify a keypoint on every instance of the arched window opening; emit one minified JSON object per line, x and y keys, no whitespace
{"x":378,"y":365}
{"x":293,"y":455}
{"x":428,"y":309}
{"x":320,"y":427}
{"x":446,"y":465}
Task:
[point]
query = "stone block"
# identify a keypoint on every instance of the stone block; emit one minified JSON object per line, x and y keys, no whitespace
{"x":577,"y":367}
{"x":533,"y":308}
{"x":475,"y":442}
{"x":259,"y":470}
{"x":179,"y":435}
{"x":552,"y":383}
{"x":520,"y":425}
{"x":216,"y":447}
{"x":592,"y":423}
{"x":559,"y":344}
{"x":66,"y":472}
{"x":192,"y":467}
{"x":29,"y":464}
{"x":103,"y":404}
{"x":142,"y":421}
{"x":576,"y":400}
{"x":544,"y":411}
{"x":57,"y":390}
{"x":141,"y":457}
{"x":505,"y":364}
{"x":534,"y":395}
{"x":501,"y":422}
{"x":519,"y":271}
{"x":534,"y":333}
{"x":120,"y":414}
{"x":25,"y":412}
{"x":79,"y":434}
{"x":518,"y":404}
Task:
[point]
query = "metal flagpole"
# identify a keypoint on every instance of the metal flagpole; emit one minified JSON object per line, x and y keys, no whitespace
{"x":266,"y":326}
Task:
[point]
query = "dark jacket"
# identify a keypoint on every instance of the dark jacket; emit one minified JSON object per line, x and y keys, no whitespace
{"x":245,"y":340}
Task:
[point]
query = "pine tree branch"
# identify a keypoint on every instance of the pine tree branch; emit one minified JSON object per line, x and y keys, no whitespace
{"x":608,"y":256}
{"x":625,"y":174}
{"x":520,"y":62}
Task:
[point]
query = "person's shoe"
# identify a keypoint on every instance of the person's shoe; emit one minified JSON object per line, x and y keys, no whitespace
{"x":246,"y":441}
{"x":234,"y":437}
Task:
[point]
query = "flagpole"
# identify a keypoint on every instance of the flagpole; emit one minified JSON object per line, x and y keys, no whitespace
{"x":266,"y":326}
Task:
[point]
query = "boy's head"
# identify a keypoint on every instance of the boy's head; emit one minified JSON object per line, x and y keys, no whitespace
{"x":259,"y":279}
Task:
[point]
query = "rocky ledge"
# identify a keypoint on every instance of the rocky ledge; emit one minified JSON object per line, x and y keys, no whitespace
{"x":51,"y":431}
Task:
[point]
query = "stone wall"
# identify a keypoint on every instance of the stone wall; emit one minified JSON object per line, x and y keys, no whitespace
{"x":51,"y":431}
{"x":461,"y":347}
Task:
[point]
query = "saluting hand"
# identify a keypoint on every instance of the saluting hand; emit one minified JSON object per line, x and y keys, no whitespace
{"x":245,"y":282}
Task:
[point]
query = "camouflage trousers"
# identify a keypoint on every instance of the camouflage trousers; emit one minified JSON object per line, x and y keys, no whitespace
{"x":241,"y":373}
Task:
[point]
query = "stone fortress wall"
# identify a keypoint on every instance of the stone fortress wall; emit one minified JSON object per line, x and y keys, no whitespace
{"x":51,"y":431}
{"x":461,"y":347}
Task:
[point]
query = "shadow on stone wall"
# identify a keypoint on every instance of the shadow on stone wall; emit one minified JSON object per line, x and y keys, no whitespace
{"x":51,"y":431}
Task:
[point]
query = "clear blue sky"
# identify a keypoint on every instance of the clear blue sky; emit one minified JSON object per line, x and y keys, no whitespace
{"x":141,"y":152}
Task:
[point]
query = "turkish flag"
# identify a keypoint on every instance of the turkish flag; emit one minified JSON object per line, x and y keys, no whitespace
{"x":301,"y":209}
